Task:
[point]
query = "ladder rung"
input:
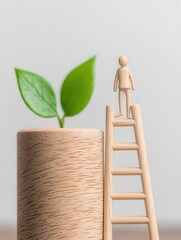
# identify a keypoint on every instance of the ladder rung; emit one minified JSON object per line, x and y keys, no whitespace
{"x":126,"y":171}
{"x":123,"y":122}
{"x":130,"y":220}
{"x":125,"y":146}
{"x":128,"y":196}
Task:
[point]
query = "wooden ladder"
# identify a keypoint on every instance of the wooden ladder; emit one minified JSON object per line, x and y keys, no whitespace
{"x":142,"y":170}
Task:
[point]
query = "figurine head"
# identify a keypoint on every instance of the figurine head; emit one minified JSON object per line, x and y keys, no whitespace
{"x":123,"y":61}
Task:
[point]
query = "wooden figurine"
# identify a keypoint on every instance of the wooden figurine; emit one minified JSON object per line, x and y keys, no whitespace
{"x":124,"y":81}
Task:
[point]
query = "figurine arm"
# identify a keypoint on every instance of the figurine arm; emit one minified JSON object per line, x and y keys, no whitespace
{"x":132,"y":80}
{"x":116,"y":82}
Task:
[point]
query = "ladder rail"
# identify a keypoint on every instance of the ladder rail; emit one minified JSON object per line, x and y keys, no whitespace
{"x":108,"y":174}
{"x":145,"y":177}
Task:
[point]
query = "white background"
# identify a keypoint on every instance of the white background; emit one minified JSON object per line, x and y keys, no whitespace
{"x":52,"y":37}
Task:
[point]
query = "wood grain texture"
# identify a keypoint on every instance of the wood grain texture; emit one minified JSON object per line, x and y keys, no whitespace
{"x":60,"y":184}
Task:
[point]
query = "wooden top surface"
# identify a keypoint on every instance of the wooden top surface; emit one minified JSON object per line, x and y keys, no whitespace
{"x":60,"y":130}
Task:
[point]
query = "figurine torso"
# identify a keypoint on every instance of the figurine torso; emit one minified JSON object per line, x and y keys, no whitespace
{"x":123,"y":77}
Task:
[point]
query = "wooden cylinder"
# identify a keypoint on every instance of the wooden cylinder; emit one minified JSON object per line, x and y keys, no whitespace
{"x":60,"y":184}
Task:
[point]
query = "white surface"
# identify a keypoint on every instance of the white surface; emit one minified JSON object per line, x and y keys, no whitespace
{"x":52,"y":37}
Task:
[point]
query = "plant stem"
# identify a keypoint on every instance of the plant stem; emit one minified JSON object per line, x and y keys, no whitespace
{"x":61,"y":120}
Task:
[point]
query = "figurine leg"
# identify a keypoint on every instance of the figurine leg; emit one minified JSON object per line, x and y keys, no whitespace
{"x":128,"y":102}
{"x":120,"y":99}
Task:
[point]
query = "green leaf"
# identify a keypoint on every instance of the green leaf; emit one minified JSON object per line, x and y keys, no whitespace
{"x":37,"y":93}
{"x":77,"y":88}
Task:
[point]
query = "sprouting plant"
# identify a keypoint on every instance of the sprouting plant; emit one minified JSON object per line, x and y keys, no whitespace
{"x":75,"y":92}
